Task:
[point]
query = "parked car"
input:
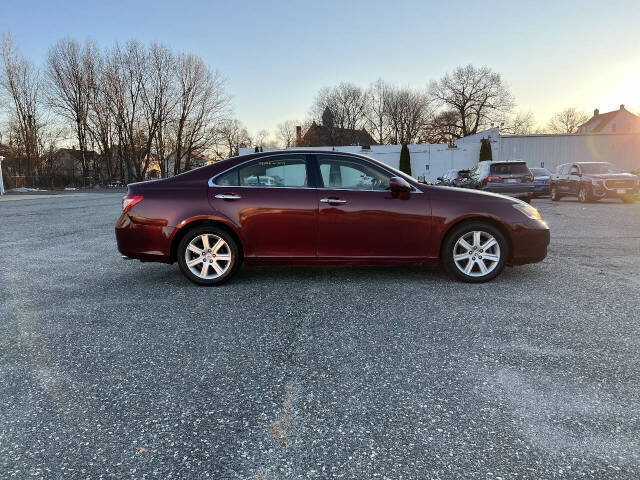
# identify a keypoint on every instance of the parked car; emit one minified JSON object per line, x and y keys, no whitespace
{"x":454,"y":178}
{"x":508,"y":178}
{"x":591,"y":181}
{"x":210,"y":220}
{"x":541,"y":179}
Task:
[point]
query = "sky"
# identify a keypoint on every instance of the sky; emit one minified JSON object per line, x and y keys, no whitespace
{"x":276,"y":55}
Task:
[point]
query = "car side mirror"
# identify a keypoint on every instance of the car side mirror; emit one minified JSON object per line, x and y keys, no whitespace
{"x":399,"y":185}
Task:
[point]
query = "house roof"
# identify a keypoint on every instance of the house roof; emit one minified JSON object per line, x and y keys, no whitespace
{"x":320,"y":136}
{"x":597,"y":123}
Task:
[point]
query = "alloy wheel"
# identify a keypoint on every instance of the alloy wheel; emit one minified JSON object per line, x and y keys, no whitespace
{"x":208,"y":256}
{"x":476,"y":253}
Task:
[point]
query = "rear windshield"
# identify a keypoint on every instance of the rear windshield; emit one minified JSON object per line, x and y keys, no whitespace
{"x":509,"y":168}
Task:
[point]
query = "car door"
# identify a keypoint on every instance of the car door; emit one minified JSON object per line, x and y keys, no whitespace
{"x":573,"y":180}
{"x":272,"y":203}
{"x":360,"y":219}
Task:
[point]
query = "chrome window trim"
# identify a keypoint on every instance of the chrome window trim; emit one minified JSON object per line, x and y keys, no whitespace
{"x":212,"y":183}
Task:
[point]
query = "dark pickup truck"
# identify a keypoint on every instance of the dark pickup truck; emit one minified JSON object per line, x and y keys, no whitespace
{"x":591,"y":181}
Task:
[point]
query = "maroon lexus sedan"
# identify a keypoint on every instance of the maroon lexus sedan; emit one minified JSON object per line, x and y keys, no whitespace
{"x":311,"y":207}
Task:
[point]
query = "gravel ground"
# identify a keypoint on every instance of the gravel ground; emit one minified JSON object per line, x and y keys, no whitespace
{"x":114,"y":369}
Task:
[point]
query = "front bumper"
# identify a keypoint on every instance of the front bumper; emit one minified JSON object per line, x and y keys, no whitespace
{"x":149,"y":242}
{"x":601,"y":191}
{"x":530,"y":242}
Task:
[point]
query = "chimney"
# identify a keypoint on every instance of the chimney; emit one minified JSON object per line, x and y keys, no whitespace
{"x":298,"y":135}
{"x":596,"y":112}
{"x":622,"y":106}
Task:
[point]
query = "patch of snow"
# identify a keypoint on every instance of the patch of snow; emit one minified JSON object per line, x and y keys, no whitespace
{"x":26,"y":190}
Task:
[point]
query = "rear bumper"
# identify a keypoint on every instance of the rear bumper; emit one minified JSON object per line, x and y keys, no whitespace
{"x":143,"y":241}
{"x":517,"y":191}
{"x":530,"y":243}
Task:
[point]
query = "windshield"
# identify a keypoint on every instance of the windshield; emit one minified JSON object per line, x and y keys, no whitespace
{"x":598,"y":168}
{"x":540,"y":172}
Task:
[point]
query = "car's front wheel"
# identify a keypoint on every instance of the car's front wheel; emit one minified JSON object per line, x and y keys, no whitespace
{"x":208,"y":255}
{"x":475,"y":252}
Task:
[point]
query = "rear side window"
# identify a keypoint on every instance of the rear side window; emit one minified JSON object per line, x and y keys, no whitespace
{"x":509,"y":168}
{"x":275,"y":172}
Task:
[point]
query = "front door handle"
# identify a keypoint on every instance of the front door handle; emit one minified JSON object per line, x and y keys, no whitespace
{"x":332,"y":201}
{"x":228,"y":196}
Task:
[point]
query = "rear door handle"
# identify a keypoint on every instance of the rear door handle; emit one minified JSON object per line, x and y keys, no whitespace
{"x":332,"y":200}
{"x":228,"y":196}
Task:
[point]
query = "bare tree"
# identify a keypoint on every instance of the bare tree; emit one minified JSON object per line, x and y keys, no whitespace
{"x":339,"y":109}
{"x":567,"y":121}
{"x":408,"y":113}
{"x":202,"y":104}
{"x":160,"y":100}
{"x":261,"y":138}
{"x":472,"y":98}
{"x":231,"y":136}
{"x":522,"y":123}
{"x":71,"y":72}
{"x":376,"y":111}
{"x":21,"y":84}
{"x":125,"y":75}
{"x":286,"y":133}
{"x":101,"y":122}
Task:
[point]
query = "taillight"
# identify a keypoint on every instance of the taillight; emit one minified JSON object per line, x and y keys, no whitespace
{"x":129,"y":201}
{"x":493,"y":178}
{"x":528,"y":178}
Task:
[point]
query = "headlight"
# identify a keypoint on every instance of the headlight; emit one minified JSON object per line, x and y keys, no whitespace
{"x":528,"y":210}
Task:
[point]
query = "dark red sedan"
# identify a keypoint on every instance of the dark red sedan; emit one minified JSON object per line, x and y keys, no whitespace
{"x":311,"y":207}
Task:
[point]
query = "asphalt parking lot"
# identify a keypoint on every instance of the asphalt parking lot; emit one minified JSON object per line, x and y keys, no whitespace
{"x":116,"y":369}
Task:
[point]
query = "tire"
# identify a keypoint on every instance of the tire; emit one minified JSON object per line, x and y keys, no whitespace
{"x":584,"y":195}
{"x":220,"y":253}
{"x":628,"y":198}
{"x":475,"y":234}
{"x":555,"y":196}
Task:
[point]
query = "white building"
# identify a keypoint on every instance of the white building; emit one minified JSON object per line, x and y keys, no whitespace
{"x":432,"y":160}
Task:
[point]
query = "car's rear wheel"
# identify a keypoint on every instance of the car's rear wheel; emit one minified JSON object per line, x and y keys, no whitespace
{"x":208,"y":255}
{"x":555,"y":196}
{"x":628,"y":198}
{"x":475,"y":252}
{"x":583,"y":195}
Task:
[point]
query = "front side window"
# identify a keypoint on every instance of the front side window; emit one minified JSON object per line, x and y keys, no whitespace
{"x":272,"y":172}
{"x":343,"y":173}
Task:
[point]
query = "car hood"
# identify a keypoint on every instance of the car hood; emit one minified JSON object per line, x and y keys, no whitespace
{"x":610,"y":176}
{"x":466,"y":193}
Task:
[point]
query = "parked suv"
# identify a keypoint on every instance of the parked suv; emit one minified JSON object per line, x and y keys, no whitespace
{"x":508,"y":178}
{"x":591,"y":181}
